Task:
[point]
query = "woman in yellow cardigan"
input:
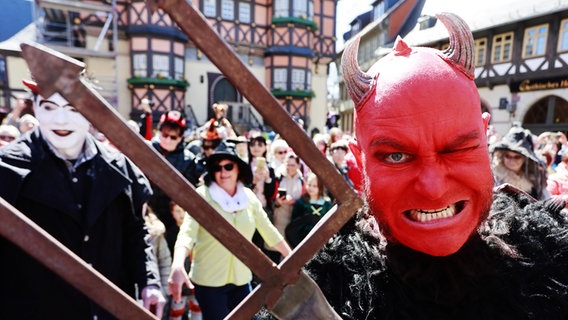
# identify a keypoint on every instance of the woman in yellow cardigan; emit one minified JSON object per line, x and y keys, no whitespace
{"x":220,"y":280}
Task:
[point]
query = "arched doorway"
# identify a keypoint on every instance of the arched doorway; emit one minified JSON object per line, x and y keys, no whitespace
{"x":221,"y":89}
{"x":547,"y":114}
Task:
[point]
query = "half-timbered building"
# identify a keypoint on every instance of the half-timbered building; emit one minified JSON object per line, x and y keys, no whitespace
{"x":132,"y":53}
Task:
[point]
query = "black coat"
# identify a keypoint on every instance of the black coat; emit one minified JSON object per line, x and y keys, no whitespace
{"x":515,"y":267}
{"x":107,"y":232}
{"x":184,"y":161}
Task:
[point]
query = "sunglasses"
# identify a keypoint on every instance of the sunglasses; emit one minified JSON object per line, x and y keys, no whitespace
{"x":227,"y":167}
{"x":513,"y":157}
{"x":208,"y":147}
{"x":173,"y":137}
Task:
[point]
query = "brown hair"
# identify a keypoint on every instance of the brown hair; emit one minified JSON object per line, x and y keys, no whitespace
{"x":319,"y":182}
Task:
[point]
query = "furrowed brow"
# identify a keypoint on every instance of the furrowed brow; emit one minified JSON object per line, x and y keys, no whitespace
{"x":461,"y":140}
{"x":384,"y":142}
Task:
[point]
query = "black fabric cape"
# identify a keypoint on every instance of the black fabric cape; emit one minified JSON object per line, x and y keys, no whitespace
{"x":514,"y":267}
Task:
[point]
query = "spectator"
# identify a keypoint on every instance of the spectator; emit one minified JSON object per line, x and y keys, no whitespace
{"x":27,"y":123}
{"x":290,"y":183}
{"x":210,"y":139}
{"x":157,"y":230}
{"x":169,"y":144}
{"x":339,"y":150}
{"x":308,"y":210}
{"x":335,"y":134}
{"x":557,"y":183}
{"x":242,"y":147}
{"x":8,"y":133}
{"x":222,"y":124}
{"x":264,"y":179}
{"x":278,"y":150}
{"x":146,"y":119}
{"x":332,"y":120}
{"x":263,"y":185}
{"x":321,"y":142}
{"x":224,"y":127}
{"x":221,"y":281}
{"x":86,"y":195}
{"x":24,"y":106}
{"x":516,"y":163}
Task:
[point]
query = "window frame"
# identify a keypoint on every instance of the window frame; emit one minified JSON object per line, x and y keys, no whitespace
{"x":538,"y":41}
{"x":247,"y":5}
{"x":506,"y":39}
{"x":280,"y":79}
{"x":161,"y":67}
{"x":179,"y":68}
{"x":228,"y":9}
{"x":209,"y":8}
{"x":140,"y":64}
{"x":281,"y":8}
{"x":480,"y":52}
{"x":563,"y":36}
{"x":298,"y":79}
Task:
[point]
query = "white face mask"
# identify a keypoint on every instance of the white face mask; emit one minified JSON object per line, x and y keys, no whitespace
{"x":61,"y":125}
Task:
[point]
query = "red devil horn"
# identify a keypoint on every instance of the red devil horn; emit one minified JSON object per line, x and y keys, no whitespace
{"x":356,"y":81}
{"x":461,"y":49}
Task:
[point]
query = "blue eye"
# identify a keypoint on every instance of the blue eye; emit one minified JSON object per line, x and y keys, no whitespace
{"x":397,"y":157}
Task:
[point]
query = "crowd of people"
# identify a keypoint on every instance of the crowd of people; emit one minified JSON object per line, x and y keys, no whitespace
{"x":280,"y":199}
{"x":290,"y":198}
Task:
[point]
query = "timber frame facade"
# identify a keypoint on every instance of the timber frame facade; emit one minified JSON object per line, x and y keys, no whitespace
{"x":132,"y":54}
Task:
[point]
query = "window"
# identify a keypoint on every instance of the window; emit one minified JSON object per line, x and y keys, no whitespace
{"x":244,"y":12}
{"x":280,"y":81}
{"x":378,"y":10}
{"x":209,"y":8}
{"x":502,"y":47}
{"x":563,"y":36}
{"x":281,"y":8}
{"x":355,"y":27}
{"x":161,"y":65}
{"x":297,"y":8}
{"x":300,"y":9}
{"x":534,"y":43}
{"x":3,"y":74}
{"x":480,"y":51}
{"x":228,"y":9}
{"x":178,"y":68}
{"x":298,"y":79}
{"x":139,"y":65}
{"x":309,"y":81}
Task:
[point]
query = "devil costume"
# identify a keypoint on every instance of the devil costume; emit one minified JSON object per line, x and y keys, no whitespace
{"x":514,"y":267}
{"x":434,"y":241}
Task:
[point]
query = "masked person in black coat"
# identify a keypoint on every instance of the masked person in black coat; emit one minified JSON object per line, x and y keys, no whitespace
{"x":89,"y":197}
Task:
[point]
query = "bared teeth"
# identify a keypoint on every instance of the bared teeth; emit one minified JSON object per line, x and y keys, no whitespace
{"x":431,"y":215}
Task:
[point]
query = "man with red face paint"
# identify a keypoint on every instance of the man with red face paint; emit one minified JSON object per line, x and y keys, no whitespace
{"x":434,"y":241}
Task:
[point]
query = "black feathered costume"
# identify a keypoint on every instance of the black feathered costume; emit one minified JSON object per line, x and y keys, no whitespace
{"x":514,"y":267}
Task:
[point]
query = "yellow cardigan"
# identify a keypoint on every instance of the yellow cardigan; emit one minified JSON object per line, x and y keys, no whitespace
{"x":212,"y":264}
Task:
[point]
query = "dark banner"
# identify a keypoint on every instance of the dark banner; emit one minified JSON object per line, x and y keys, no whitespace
{"x":541,"y":84}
